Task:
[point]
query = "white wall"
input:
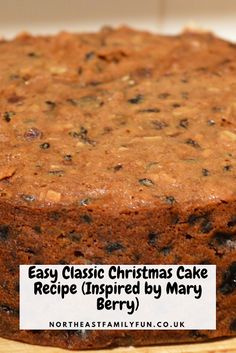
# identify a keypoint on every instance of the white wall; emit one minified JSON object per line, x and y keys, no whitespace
{"x":216,"y":15}
{"x":164,"y":16}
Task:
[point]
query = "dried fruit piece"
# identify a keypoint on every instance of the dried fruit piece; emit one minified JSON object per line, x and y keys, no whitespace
{"x":176,"y":105}
{"x":166,"y":250}
{"x":232,"y":222}
{"x":197,"y":335}
{"x":37,"y":229}
{"x":67,"y":158}
{"x":185,"y":95}
{"x":203,"y":221}
{"x":45,"y":145}
{"x":206,"y":226}
{"x":146,"y":182}
{"x":82,"y":135}
{"x":159,"y":125}
{"x":28,"y":198}
{"x":33,"y":55}
{"x":135,"y":100}
{"x":14,"y":98}
{"x":57,"y":172}
{"x":211,"y":122}
{"x":221,"y":238}
{"x":149,"y":110}
{"x":52,"y":105}
{"x":8,"y":115}
{"x":192,"y":143}
{"x":75,"y":236}
{"x":232,"y":326}
{"x":114,"y":247}
{"x":229,"y":280}
{"x":7,"y":309}
{"x":78,"y":253}
{"x":86,"y":102}
{"x":170,"y":200}
{"x":205,"y":172}
{"x":152,"y":238}
{"x":32,"y":134}
{"x":227,"y":168}
{"x":86,"y":218}
{"x":90,"y":55}
{"x":55,"y":215}
{"x":117,"y":167}
{"x":4,"y":232}
{"x":85,"y":202}
{"x":184,"y":123}
{"x":174,"y":218}
{"x":164,"y":95}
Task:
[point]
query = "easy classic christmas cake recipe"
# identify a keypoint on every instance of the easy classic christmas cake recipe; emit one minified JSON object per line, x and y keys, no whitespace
{"x":117,"y":147}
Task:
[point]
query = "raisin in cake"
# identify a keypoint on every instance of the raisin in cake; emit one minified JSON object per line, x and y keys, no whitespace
{"x":117,"y":148}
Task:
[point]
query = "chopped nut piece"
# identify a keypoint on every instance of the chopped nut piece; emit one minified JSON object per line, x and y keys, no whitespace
{"x":152,"y":138}
{"x":229,"y":134}
{"x":58,"y":70}
{"x":123,"y":148}
{"x":145,"y":138}
{"x":207,"y":152}
{"x":7,"y":172}
{"x":35,"y":108}
{"x":151,"y":165}
{"x":213,"y":89}
{"x":53,"y":196}
{"x":125,"y":78}
{"x":80,"y":144}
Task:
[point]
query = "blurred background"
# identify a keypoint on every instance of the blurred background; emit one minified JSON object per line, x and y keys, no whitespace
{"x":163,"y":16}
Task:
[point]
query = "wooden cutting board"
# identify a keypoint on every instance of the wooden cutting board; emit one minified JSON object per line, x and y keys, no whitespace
{"x":222,"y":346}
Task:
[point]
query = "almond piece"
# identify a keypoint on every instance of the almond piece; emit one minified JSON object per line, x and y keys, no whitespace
{"x":7,"y":172}
{"x":53,"y":196}
{"x":228,"y":134}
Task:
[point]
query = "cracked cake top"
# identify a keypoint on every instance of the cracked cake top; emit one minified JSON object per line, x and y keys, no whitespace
{"x":120,"y":118}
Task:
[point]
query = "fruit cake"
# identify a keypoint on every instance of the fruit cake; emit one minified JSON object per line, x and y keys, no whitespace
{"x":117,"y":147}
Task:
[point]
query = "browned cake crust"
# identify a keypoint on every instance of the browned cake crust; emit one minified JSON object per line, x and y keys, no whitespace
{"x":117,"y":148}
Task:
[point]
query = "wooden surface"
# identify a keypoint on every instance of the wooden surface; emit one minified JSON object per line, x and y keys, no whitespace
{"x":222,"y":346}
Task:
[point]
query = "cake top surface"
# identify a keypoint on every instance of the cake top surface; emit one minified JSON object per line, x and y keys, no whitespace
{"x":119,"y":119}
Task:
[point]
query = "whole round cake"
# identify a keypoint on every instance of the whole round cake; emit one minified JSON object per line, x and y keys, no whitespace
{"x":117,"y":148}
